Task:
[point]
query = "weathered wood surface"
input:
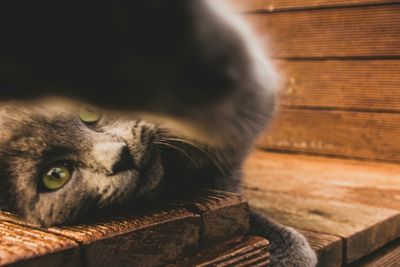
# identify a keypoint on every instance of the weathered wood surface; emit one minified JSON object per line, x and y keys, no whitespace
{"x":353,"y":134}
{"x":281,"y":5}
{"x":355,"y":200}
{"x":368,"y":31}
{"x":19,"y":244}
{"x":388,"y":256}
{"x":340,"y":97}
{"x":365,"y":229}
{"x":372,"y":85}
{"x":250,"y":251}
{"x":333,"y":103}
{"x":217,"y":213}
{"x":353,"y":181}
{"x":329,"y":248}
{"x":151,"y":238}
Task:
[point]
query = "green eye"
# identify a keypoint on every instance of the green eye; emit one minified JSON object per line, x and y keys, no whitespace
{"x":56,"y":177}
{"x":89,"y":115}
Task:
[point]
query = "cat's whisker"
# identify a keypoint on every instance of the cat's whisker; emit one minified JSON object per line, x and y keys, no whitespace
{"x":177,"y":149}
{"x":204,"y":151}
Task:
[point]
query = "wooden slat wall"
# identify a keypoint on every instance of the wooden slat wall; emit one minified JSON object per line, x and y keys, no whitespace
{"x":279,"y":5}
{"x":354,"y":134}
{"x":371,"y":85}
{"x":340,"y":63}
{"x":338,"y":32}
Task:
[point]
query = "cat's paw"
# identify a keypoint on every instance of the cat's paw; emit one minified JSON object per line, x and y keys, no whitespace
{"x":291,"y":249}
{"x":288,"y":247}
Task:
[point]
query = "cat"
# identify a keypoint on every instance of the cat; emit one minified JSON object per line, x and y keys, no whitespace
{"x":196,"y":90}
{"x":59,"y":163}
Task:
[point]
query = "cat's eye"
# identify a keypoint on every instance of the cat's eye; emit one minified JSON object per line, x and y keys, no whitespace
{"x":89,"y":114}
{"x":56,"y":176}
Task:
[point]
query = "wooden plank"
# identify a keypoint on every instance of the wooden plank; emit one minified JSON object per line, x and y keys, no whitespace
{"x":280,"y":5}
{"x":363,"y":228}
{"x":157,"y":236}
{"x":349,"y":84}
{"x":218,"y":211}
{"x":23,"y":246}
{"x":154,"y":239}
{"x":385,"y":257}
{"x":353,"y":181}
{"x":161,"y":235}
{"x":329,"y":248}
{"x":250,"y":251}
{"x":353,"y":134}
{"x":317,"y":195}
{"x":347,"y":32}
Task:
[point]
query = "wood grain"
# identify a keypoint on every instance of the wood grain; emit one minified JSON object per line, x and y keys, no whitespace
{"x":32,"y":247}
{"x":350,"y":84}
{"x":224,"y":215}
{"x":372,"y":31}
{"x":351,"y":181}
{"x":329,"y":248}
{"x":163,"y":236}
{"x":386,"y":257}
{"x":280,"y":5}
{"x":154,"y":237}
{"x":153,"y":240}
{"x":338,"y":197}
{"x":364,"y":228}
{"x":352,"y":134}
{"x":248,"y":251}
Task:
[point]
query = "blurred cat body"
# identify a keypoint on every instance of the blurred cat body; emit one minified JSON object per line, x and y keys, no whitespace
{"x":169,"y":144}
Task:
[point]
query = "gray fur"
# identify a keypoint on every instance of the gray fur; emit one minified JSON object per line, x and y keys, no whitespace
{"x":34,"y":138}
{"x":183,"y":145}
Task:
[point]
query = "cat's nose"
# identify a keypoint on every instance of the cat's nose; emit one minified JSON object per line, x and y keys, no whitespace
{"x":113,"y":156}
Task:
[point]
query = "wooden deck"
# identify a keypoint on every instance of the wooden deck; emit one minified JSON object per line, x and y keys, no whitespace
{"x":335,"y":172}
{"x":347,"y":209}
{"x":204,"y":229}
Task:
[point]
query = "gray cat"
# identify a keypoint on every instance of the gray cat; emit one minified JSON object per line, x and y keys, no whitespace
{"x":194,"y":106}
{"x":60,"y":163}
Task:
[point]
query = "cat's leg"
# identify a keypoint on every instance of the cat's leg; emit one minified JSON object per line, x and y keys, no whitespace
{"x":288,"y":248}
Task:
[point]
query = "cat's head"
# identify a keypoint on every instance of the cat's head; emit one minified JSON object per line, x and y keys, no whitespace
{"x":60,"y":162}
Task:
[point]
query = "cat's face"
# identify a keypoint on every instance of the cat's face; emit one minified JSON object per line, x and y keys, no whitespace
{"x":59,"y":162}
